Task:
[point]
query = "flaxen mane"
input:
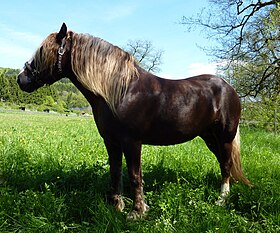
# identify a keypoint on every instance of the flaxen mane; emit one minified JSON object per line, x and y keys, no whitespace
{"x":102,"y":68}
{"x":45,"y":57}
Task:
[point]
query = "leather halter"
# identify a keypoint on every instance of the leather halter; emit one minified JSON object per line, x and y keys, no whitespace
{"x":35,"y":74}
{"x":60,"y":53}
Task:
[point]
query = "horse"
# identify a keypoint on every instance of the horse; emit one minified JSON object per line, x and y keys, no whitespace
{"x":132,"y":107}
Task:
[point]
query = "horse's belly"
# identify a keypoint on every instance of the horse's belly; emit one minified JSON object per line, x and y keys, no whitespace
{"x":165,"y":138}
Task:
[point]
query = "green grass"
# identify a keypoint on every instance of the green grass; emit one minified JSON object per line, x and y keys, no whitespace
{"x":54,"y":178}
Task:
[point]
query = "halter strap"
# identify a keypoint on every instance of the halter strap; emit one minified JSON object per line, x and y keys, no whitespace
{"x":35,"y":73}
{"x":60,"y":53}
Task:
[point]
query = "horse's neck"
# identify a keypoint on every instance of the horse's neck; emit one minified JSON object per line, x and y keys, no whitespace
{"x":147,"y":80}
{"x":91,"y":98}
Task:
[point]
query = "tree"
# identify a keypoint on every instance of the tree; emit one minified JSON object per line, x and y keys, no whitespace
{"x":49,"y":101}
{"x":146,"y":54}
{"x":4,"y":90}
{"x":247,"y":39}
{"x":75,"y":100}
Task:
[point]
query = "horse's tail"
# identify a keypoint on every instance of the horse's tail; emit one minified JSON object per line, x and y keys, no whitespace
{"x":236,"y":169}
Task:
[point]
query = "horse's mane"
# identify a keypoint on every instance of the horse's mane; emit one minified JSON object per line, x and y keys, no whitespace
{"x":102,"y":68}
{"x":46,"y":55}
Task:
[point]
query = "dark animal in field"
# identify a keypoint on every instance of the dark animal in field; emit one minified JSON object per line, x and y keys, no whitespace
{"x":132,"y":107}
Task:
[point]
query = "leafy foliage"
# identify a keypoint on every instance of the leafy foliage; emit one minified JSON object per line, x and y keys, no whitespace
{"x":246,"y":35}
{"x":58,"y":97}
{"x":263,"y":114}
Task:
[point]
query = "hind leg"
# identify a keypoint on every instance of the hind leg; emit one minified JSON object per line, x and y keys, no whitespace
{"x":225,"y":165}
{"x":222,"y":152}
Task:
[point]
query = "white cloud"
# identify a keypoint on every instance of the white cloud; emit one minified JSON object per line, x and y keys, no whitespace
{"x":23,"y":37}
{"x":12,"y":50}
{"x":13,"y":55}
{"x":193,"y":69}
{"x":201,"y":68}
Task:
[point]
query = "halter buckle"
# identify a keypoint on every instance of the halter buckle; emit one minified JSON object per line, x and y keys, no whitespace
{"x":61,"y":51}
{"x":61,"y":48}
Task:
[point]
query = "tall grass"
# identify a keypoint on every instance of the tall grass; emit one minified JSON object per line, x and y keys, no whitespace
{"x":54,"y":178}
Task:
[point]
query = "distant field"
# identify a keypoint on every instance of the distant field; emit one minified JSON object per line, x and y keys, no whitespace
{"x":54,"y":178}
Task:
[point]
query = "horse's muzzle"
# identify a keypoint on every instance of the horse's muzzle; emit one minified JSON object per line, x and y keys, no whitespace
{"x":25,"y":83}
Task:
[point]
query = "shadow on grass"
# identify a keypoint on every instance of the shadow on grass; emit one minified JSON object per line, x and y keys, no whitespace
{"x":83,"y":189}
{"x":48,"y":190}
{"x":157,"y":175}
{"x":21,"y":174}
{"x":82,"y":178}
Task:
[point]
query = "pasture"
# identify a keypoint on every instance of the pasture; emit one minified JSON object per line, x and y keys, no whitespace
{"x":55,"y":178}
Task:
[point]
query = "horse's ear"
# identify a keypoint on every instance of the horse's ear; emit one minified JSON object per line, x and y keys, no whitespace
{"x":62,"y":32}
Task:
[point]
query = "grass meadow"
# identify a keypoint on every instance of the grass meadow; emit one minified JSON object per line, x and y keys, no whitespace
{"x":55,"y":178}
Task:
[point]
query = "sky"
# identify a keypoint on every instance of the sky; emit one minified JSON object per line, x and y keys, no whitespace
{"x":25,"y":24}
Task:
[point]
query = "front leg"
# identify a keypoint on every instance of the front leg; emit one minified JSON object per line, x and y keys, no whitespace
{"x":115,"y":160}
{"x":132,"y":153}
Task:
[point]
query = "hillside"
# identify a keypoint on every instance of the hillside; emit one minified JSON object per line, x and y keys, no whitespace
{"x":60,"y":97}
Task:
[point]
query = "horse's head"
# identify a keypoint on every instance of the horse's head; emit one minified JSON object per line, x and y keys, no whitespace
{"x":49,"y":62}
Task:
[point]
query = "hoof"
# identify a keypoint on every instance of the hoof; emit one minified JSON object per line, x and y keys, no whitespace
{"x":136,"y":215}
{"x":221,"y":202}
{"x":117,"y":201}
{"x":222,"y":199}
{"x":120,"y":206}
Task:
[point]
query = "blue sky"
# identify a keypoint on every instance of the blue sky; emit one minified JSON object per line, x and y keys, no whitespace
{"x":24,"y":24}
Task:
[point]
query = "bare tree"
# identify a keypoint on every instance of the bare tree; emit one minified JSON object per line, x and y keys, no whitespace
{"x":247,"y":39}
{"x":146,"y":54}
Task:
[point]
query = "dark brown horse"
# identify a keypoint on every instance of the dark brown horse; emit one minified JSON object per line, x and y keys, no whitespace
{"x":132,"y":107}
